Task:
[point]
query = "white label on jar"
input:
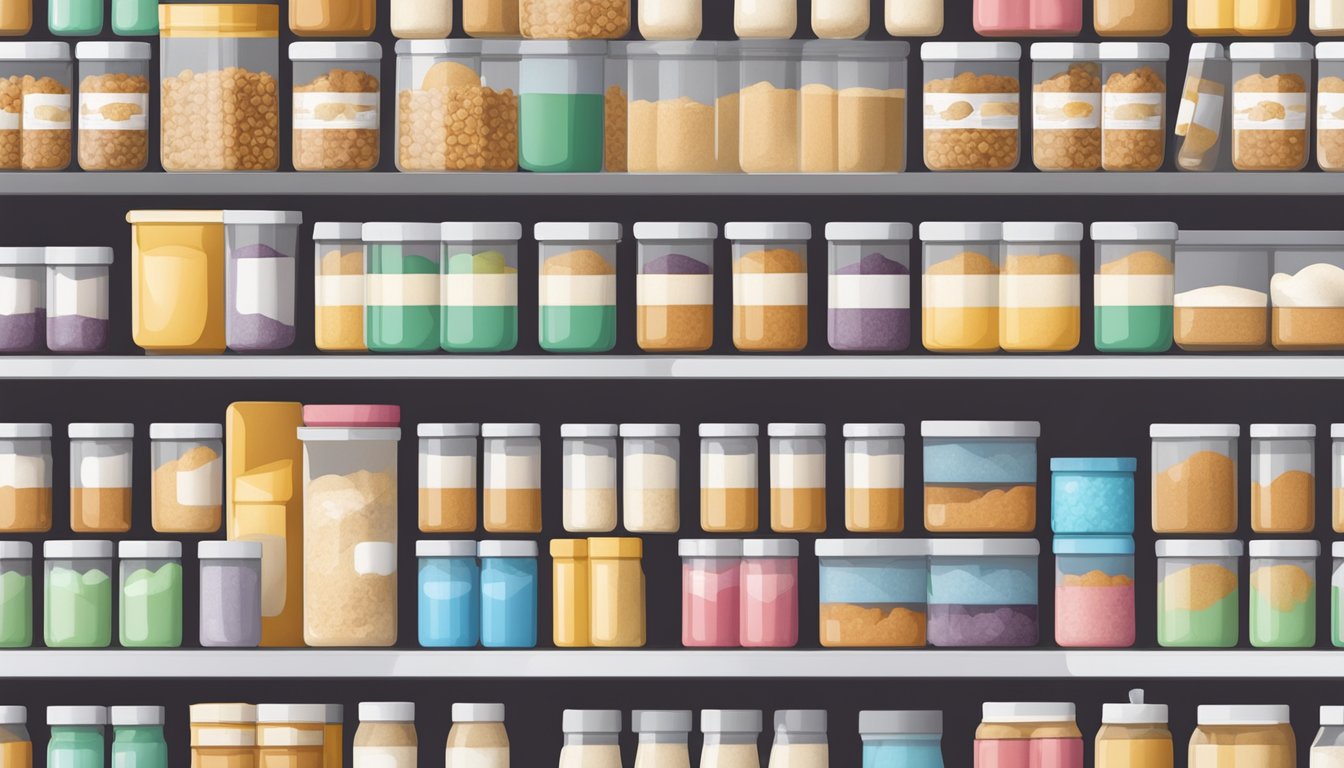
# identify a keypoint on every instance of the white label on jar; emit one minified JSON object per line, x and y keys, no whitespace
{"x":223,"y":736}
{"x":989,"y":111}
{"x":18,"y":471}
{"x":447,"y":471}
{"x":1066,"y":111}
{"x":46,"y":112}
{"x":650,"y":470}
{"x":476,"y":757}
{"x":1132,"y":111}
{"x":878,"y":471}
{"x":960,"y":291}
{"x":384,"y":757}
{"x":773,"y":289}
{"x":674,"y":290}
{"x":578,"y":290}
{"x":402,"y":290}
{"x":9,"y":121}
{"x":869,"y":292}
{"x":1269,"y":111}
{"x":1209,"y":111}
{"x":265,"y":287}
{"x":326,"y":111}
{"x":797,"y":470}
{"x":200,"y":487}
{"x":20,"y":295}
{"x":105,"y":471}
{"x":1330,"y":111}
{"x":85,"y":297}
{"x":1133,"y":290}
{"x":502,"y":471}
{"x":1184,"y":112}
{"x":375,"y":557}
{"x":733,"y":470}
{"x":340,"y":290}
{"x":1038,"y":291}
{"x":480,"y":290}
{"x":113,"y":111}
{"x":285,"y":736}
{"x":591,"y":471}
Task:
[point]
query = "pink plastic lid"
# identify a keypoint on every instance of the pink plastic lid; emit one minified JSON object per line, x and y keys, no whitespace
{"x":352,"y":415}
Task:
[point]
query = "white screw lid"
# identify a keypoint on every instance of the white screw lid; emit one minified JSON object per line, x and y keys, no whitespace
{"x":589,"y":430}
{"x":455,"y":429}
{"x":445,"y":548}
{"x":874,"y":430}
{"x":150,"y":550}
{"x":13,"y":715}
{"x":800,"y":720}
{"x":16,"y":550}
{"x":387,"y":711}
{"x":338,"y":230}
{"x":76,"y":715}
{"x":136,"y":715}
{"x":872,"y":547}
{"x":878,"y":723}
{"x":971,"y":429}
{"x":1160,"y":231}
{"x":1194,"y":430}
{"x":1242,"y":714}
{"x":1042,"y":231}
{"x":1198,"y":548}
{"x":1301,"y":431}
{"x":1331,"y":715}
{"x":480,"y":231}
{"x":100,"y":431}
{"x":1136,"y":711}
{"x":869,"y":231}
{"x":713,"y":548}
{"x":479,"y":713}
{"x":223,"y":713}
{"x":24,"y":431}
{"x":506,"y":548}
{"x":292,"y":713}
{"x":591,"y":721}
{"x":661,"y":720}
{"x":793,"y":429}
{"x":650,"y":430}
{"x":984,"y":547}
{"x":185,"y":431}
{"x":510,"y":430}
{"x":675,"y":230}
{"x":399,"y":232}
{"x":730,"y":720}
{"x":577,"y":231}
{"x":1134,"y":52}
{"x":97,"y":50}
{"x":753,"y":231}
{"x":729,"y":430}
{"x":1028,"y":711}
{"x":78,"y":255}
{"x":77,"y":549}
{"x":769,"y":547}
{"x":1295,"y":548}
{"x":1260,"y":51}
{"x":970,"y":52}
{"x":960,"y":231}
{"x":1064,"y":52}
{"x":344,"y":50}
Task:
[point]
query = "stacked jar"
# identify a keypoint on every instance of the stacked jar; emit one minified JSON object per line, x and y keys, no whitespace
{"x":449,"y":588}
{"x":113,"y":106}
{"x":448,"y":477}
{"x":512,"y":499}
{"x":873,"y":592}
{"x":1198,"y":593}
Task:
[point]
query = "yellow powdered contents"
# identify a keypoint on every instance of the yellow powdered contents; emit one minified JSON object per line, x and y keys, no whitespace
{"x":845,"y":625}
{"x":1286,"y":505}
{"x":965,"y":263}
{"x":1285,"y":586}
{"x":1042,"y":264}
{"x":773,"y":260}
{"x":1197,"y":587}
{"x":1198,"y":495}
{"x":340,"y":326}
{"x":1140,"y":263}
{"x":580,"y":262}
{"x":970,"y":510}
{"x":336,"y":263}
{"x":1096,"y":578}
{"x":769,"y":124}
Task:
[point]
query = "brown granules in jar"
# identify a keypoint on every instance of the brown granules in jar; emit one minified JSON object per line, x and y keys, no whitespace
{"x":729,"y":510}
{"x":1197,"y":495}
{"x":170,"y":514}
{"x":349,"y":559}
{"x":109,"y":148}
{"x":490,"y":18}
{"x":857,"y":626}
{"x":339,"y":144}
{"x":1140,"y":263}
{"x":875,"y":510}
{"x":769,"y":125}
{"x":100,"y":510}
{"x":615,"y":129}
{"x":1329,"y":140}
{"x":853,"y":130}
{"x":726,"y":130}
{"x":972,"y":148}
{"x":675,"y":327}
{"x":798,"y":510}
{"x":340,"y":326}
{"x":25,"y":510}
{"x":574,"y":19}
{"x":512,"y":510}
{"x":45,"y":149}
{"x":582,"y":261}
{"x":670,"y":136}
{"x":949,"y":508}
{"x":773,"y":319}
{"x":965,"y":263}
{"x":1066,"y":148}
{"x":11,"y":103}
{"x":221,"y":120}
{"x":453,"y":123}
{"x":1221,"y":317}
{"x":1307,"y":327}
{"x":1286,"y":505}
{"x":1282,"y":144}
{"x":447,"y":510}
{"x":1138,"y":148}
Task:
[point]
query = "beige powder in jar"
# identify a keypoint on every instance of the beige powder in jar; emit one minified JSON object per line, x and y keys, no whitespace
{"x":1132,"y":129}
{"x":769,"y":128}
{"x":120,"y":142}
{"x":671,"y":135}
{"x":1269,"y":131}
{"x":726,"y":118}
{"x":615,"y":128}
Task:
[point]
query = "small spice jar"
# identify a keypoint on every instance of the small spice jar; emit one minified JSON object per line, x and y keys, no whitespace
{"x":729,"y":491}
{"x":1133,"y":105}
{"x":78,"y":736}
{"x":77,"y":298}
{"x":1202,"y":121}
{"x":902,"y":738}
{"x":589,"y":501}
{"x":336,"y":104}
{"x":730,"y":737}
{"x":16,"y":601}
{"x":769,"y":593}
{"x":1134,"y":734}
{"x":1010,"y":733}
{"x":616,"y":608}
{"x":188,"y":477}
{"x":230,"y":601}
{"x":1198,"y":594}
{"x":868,"y":286}
{"x":16,"y":745}
{"x":1271,"y":96}
{"x":449,"y":585}
{"x":971,"y":106}
{"x":508,"y":594}
{"x":674,"y":290}
{"x":477,"y":737}
{"x":769,"y":284}
{"x":480,"y":285}
{"x":113,"y":105}
{"x":223,"y":735}
{"x":577,"y":285}
{"x":23,"y":311}
{"x":448,"y":477}
{"x":570,"y":593}
{"x":769,"y":75}
{"x":25,"y":478}
{"x":797,"y":478}
{"x":800,"y":739}
{"x":1039,"y":286}
{"x":150,"y":599}
{"x":874,"y":478}
{"x":1066,"y":106}
{"x":592,"y":737}
{"x":1094,"y":591}
{"x":873,"y":592}
{"x":711,"y":592}
{"x":290,"y":735}
{"x":1330,"y":106}
{"x":562,"y":105}
{"x":338,"y":286}
{"x":651,"y":478}
{"x":663,"y":736}
{"x":1283,"y":478}
{"x":1260,"y":735}
{"x":1090,"y":496}
{"x":137,"y":737}
{"x":386,"y":736}
{"x":402,"y":286}
{"x":77,"y":594}
{"x":512,"y":502}
{"x":1283,"y":593}
{"x":1194,"y":477}
{"x":961,"y":285}
{"x":100,"y":477}
{"x":1134,"y":285}
{"x":261,"y":250}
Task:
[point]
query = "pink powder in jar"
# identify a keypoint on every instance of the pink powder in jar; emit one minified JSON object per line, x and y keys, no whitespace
{"x":710,"y":592}
{"x":769,"y":593}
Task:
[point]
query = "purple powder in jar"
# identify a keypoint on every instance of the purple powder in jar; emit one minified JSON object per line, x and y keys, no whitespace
{"x":23,"y":333}
{"x":230,"y":604}
{"x":874,"y":264}
{"x":870,"y":330}
{"x":76,"y":333}
{"x":675,"y":264}
{"x":1015,"y":626}
{"x":254,"y":332}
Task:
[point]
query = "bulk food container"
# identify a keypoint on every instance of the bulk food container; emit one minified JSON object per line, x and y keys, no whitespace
{"x":1027,"y":733}
{"x":663,"y":734}
{"x":512,"y":501}
{"x":338,"y":286}
{"x":100,"y":477}
{"x":1329,"y":103}
{"x":1046,"y":18}
{"x":671,"y":118}
{"x":1066,"y":106}
{"x":114,"y":103}
{"x":574,"y":19}
{"x":971,"y":106}
{"x":260,"y":249}
{"x":1198,"y":596}
{"x":560,"y":127}
{"x":386,"y":734}
{"x":1039,"y":286}
{"x":1222,"y":290}
{"x":874,"y":478}
{"x":983,"y":592}
{"x":223,"y":735}
{"x":1194,"y":477}
{"x":334,"y":18}
{"x":909,"y":738}
{"x":290,"y":734}
{"x":220,"y":69}
{"x":16,"y":594}
{"x":769,"y":593}
{"x":1133,"y":105}
{"x":499,"y":88}
{"x":1134,"y":734}
{"x":1133,"y":287}
{"x":769,"y":284}
{"x":1132,"y":18}
{"x":1242,"y":734}
{"x":980,"y":476}
{"x":674,"y":290}
{"x":773,"y":19}
{"x":402,"y":288}
{"x":589,"y":500}
{"x":729,"y":496}
{"x":35,"y":108}
{"x":1337,"y":594}
{"x":839,"y":19}
{"x":77,"y":594}
{"x":873,"y":592}
{"x":77,"y":298}
{"x":1094,"y":591}
{"x":350,"y":524}
{"x":187,"y":493}
{"x":78,"y":736}
{"x":448,"y":118}
{"x":479,"y":290}
{"x":1307,"y":291}
{"x":592,"y":737}
{"x":570,"y":594}
{"x":150,"y":598}
{"x":1202,"y":121}
{"x":447,"y":477}
{"x":177,"y":281}
{"x":800,"y":738}
{"x":769,"y":73}
{"x":650,"y":477}
{"x":797,"y":478}
{"x":23,"y":297}
{"x":616,"y":604}
{"x":670,"y":19}
{"x":335,"y":117}
{"x":727,"y":108}
{"x":730,"y":737}
{"x":490,"y":18}
{"x":961,"y":285}
{"x":914,"y":18}
{"x":1283,"y":593}
{"x":616,"y":107}
{"x":1271,"y":95}
{"x":1283,"y":478}
{"x":16,"y":744}
{"x":577,"y":285}
{"x":137,"y":736}
{"x":868,"y":286}
{"x":448,"y":583}
{"x":1092,"y":496}
{"x":508,"y":594}
{"x":230,"y":598}
{"x":1328,"y":746}
{"x":711,"y":592}
{"x":25,"y":478}
{"x":420,"y":19}
{"x":852,"y":106}
{"x":16,"y":20}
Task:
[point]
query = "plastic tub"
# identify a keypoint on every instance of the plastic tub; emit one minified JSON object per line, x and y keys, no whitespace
{"x":971,"y":106}
{"x":1039,"y":286}
{"x":447,"y":477}
{"x":1202,"y":122}
{"x":768,"y":103}
{"x":729,"y":493}
{"x":674,"y":290}
{"x":25,"y":477}
{"x":1306,"y":291}
{"x":1271,"y":96}
{"x":769,"y":285}
{"x":1283,"y":593}
{"x":23,"y":298}
{"x":1243,"y":734}
{"x":77,"y":594}
{"x":334,"y":18}
{"x":402,"y":289}
{"x":336,"y":102}
{"x":873,"y":592}
{"x":188,"y":478}
{"x":1198,"y":595}
{"x":588,"y":504}
{"x":338,"y":286}
{"x":868,"y":286}
{"x":177,"y":281}
{"x":980,"y":476}
{"x":797,"y":478}
{"x":512,"y":502}
{"x":1283,"y":478}
{"x":561,"y":105}
{"x":1047,"y":18}
{"x":769,"y":593}
{"x":961,"y":285}
{"x":577,"y":285}
{"x":260,"y":249}
{"x":1222,"y":291}
{"x":852,"y":106}
{"x":479,"y":292}
{"x":230,"y":600}
{"x":77,"y":298}
{"x":901,"y":738}
{"x":650,"y":471}
{"x":671,"y":120}
{"x":1092,"y":496}
{"x":1133,"y":106}
{"x":983,"y":592}
{"x":35,"y":126}
{"x":114,"y":104}
{"x":1194,"y":477}
{"x":508,"y":594}
{"x":711,"y":592}
{"x":1133,"y":288}
{"x":1066,"y":106}
{"x":449,"y":589}
{"x":1094,"y":591}
{"x":16,"y":594}
{"x":100,"y":477}
{"x":150,"y":598}
{"x":874,"y":478}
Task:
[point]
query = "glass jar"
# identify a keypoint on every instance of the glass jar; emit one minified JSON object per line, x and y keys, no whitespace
{"x":874,"y":478}
{"x":480,"y":285}
{"x":490,"y":18}
{"x":589,"y":501}
{"x":1039,"y":286}
{"x":499,"y":89}
{"x":570,"y":594}
{"x":512,"y":501}
{"x":730,"y":738}
{"x":1194,"y":477}
{"x":769,"y":284}
{"x":77,"y":298}
{"x":1134,"y":734}
{"x":902,"y":738}
{"x":100,"y":477}
{"x":800,"y":739}
{"x":671,"y":119}
{"x":508,"y":594}
{"x":16,"y":745}
{"x":218,"y":60}
{"x":1243,"y":734}
{"x":768,"y":103}
{"x":35,"y":114}
{"x":650,"y":478}
{"x":769,"y":617}
{"x":386,"y":735}
{"x":574,"y":19}
{"x":336,"y":87}
{"x":1028,"y":733}
{"x":350,"y":524}
{"x":77,"y":594}
{"x":1330,"y":104}
{"x":592,"y":736}
{"x":616,"y":606}
{"x":873,"y":592}
{"x":797,"y":478}
{"x":477,"y":738}
{"x":25,"y":478}
{"x":230,"y":599}
{"x":446,"y":119}
{"x":727,"y":108}
{"x":16,"y":20}
{"x":670,"y":19}
{"x":674,"y":290}
{"x":1047,"y":18}
{"x":183,"y":250}
{"x":1337,"y":477}
{"x":338,"y":286}
{"x":577,"y":285}
{"x":448,"y":477}
{"x":1283,"y":593}
{"x":1271,"y":95}
{"x":971,"y":106}
{"x":188,"y":478}
{"x":774,"y":19}
{"x":290,"y":735}
{"x":1133,"y":106}
{"x":421,"y":19}
{"x":449,"y":588}
{"x":1092,"y":496}
{"x":1066,"y":106}
{"x":980,"y":476}
{"x":1198,"y":596}
{"x":983,"y":592}
{"x":1283,"y":478}
{"x":961,"y":285}
{"x":711,"y":592}
{"x":1133,"y":288}
{"x":1222,"y":292}
{"x":839,"y":19}
{"x":223,"y":735}
{"x":402,"y":294}
{"x":1124,"y":18}
{"x":137,"y":737}
{"x":616,"y":107}
{"x":1094,"y":591}
{"x":663,"y":736}
{"x":16,"y":604}
{"x":852,"y":106}
{"x":561,"y":103}
{"x":729,"y":495}
{"x":868,"y":294}
{"x":150,"y":600}
{"x":114,"y":102}
{"x":1328,"y":748}
{"x":23,"y":293}
{"x":333,"y":18}
{"x":260,"y":254}
{"x":1202,"y":120}
{"x":1304,"y":313}
{"x":77,"y":737}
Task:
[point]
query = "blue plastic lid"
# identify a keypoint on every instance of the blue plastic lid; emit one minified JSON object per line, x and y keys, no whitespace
{"x":1094,"y":545}
{"x":1093,"y":465}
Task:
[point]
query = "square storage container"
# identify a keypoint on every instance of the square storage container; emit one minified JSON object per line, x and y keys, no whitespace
{"x":338,"y":286}
{"x":769,"y":73}
{"x":36,"y":108}
{"x":588,"y":504}
{"x":25,"y":478}
{"x":1133,"y":289}
{"x":852,"y":106}
{"x":420,"y":19}
{"x":1330,"y":104}
{"x":1133,"y":106}
{"x":1283,"y":593}
{"x":769,"y":284}
{"x":150,"y":598}
{"x":512,"y":502}
{"x":1198,"y":594}
{"x":16,"y":594}
{"x":674,"y":290}
{"x":961,"y":285}
{"x":769,"y":593}
{"x":1202,"y":121}
{"x":114,"y":104}
{"x":577,"y":285}
{"x":1092,"y":496}
{"x":1306,"y":291}
{"x":874,"y":478}
{"x":230,"y":593}
{"x":671,"y":107}
{"x":914,"y":18}
{"x":77,"y":594}
{"x":980,"y":476}
{"x":1041,"y":18}
{"x":260,"y":250}
{"x":77,"y":298}
{"x":23,"y":299}
{"x":447,"y":118}
{"x":574,"y":19}
{"x":177,"y":281}
{"x":561,"y":108}
{"x":711,"y":592}
{"x":729,"y":488}
{"x":1039,"y":286}
{"x":1066,"y":106}
{"x":402,"y":289}
{"x":480,"y":285}
{"x":508,"y":594}
{"x":1094,"y":591}
{"x":797,"y":478}
{"x":868,"y":286}
{"x":448,"y":477}
{"x":971,"y":106}
{"x":1283,"y":478}
{"x":336,"y":103}
{"x":449,"y":588}
{"x":334,"y":18}
{"x":983,"y":592}
{"x":100,"y":477}
{"x":187,"y":491}
{"x":616,"y":107}
{"x":1271,"y":96}
{"x":670,"y":19}
{"x":773,"y":19}
{"x":1194,"y":477}
{"x":650,"y":477}
{"x":873,"y":592}
{"x":1132,"y":18}
{"x":1222,"y":290}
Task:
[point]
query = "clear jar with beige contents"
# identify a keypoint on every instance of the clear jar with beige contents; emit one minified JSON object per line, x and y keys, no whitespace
{"x":478,"y":738}
{"x":1039,"y":286}
{"x":1202,"y":122}
{"x":797,"y":478}
{"x":1133,"y":105}
{"x":35,"y":106}
{"x":1132,"y":18}
{"x":1194,"y":477}
{"x":1243,"y":734}
{"x":874,"y":478}
{"x":1283,"y":478}
{"x":1066,"y":107}
{"x":1271,"y":99}
{"x":769,"y":284}
{"x":100,"y":477}
{"x":768,"y":81}
{"x":290,"y":735}
{"x":336,"y":105}
{"x":386,"y":736}
{"x":650,"y":477}
{"x":512,"y":501}
{"x":113,"y":106}
{"x":800,"y":739}
{"x":852,"y":107}
{"x":589,"y":501}
{"x":1329,"y":106}
{"x":574,"y":19}
{"x":729,"y":487}
{"x":188,"y":480}
{"x":592,"y":738}
{"x":616,"y":597}
{"x":663,"y":738}
{"x":972,"y":119}
{"x":223,"y":736}
{"x":1222,"y":291}
{"x":961,"y":285}
{"x":673,"y":90}
{"x":499,"y":77}
{"x":727,"y":108}
{"x":338,"y":286}
{"x":448,"y":477}
{"x":25,"y":478}
{"x":447,"y":119}
{"x":731,"y":737}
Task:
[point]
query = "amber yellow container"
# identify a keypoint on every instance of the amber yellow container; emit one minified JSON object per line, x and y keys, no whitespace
{"x":1134,"y":735}
{"x":177,"y":280}
{"x":333,"y":737}
{"x":616,"y":578}
{"x":290,"y":735}
{"x":1258,"y":735}
{"x":332,"y":18}
{"x":1039,"y":286}
{"x":570,"y":593}
{"x":223,"y":736}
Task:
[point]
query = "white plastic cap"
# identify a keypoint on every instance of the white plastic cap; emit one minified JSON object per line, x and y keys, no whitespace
{"x":457,"y":47}
{"x":661,"y":720}
{"x":713,"y":548}
{"x":1198,"y":548}
{"x":800,"y":720}
{"x":24,"y":431}
{"x":1135,"y":712}
{"x":34,"y":52}
{"x":1136,"y":231}
{"x":387,"y":711}
{"x":1283,"y":430}
{"x":292,"y":713}
{"x":223,"y":713}
{"x":228,"y":550}
{"x":76,"y":715}
{"x":1204,"y":51}
{"x":16,"y":550}
{"x":591,"y":721}
{"x":675,"y":230}
{"x":1133,"y":52}
{"x":960,"y":231}
{"x":136,"y":715}
{"x":78,"y":549}
{"x":1269,"y":51}
{"x":480,"y":231}
{"x":731,"y":720}
{"x":77,"y":255}
{"x":22,"y":254}
{"x":1064,"y":52}
{"x":1028,"y":711}
{"x":1294,"y":548}
{"x":1332,"y":715}
{"x":730,"y":430}
{"x":970,"y":52}
{"x":510,"y":429}
{"x":452,"y":429}
{"x":980,"y":428}
{"x":796,"y":429}
{"x":874,"y":430}
{"x":150,"y":550}
{"x":400,"y":231}
{"x":445,"y":548}
{"x":185,"y":431}
{"x":1194,"y":430}
{"x":345,"y":50}
{"x":984,"y":547}
{"x":869,"y":231}
{"x":1337,"y":430}
{"x":577,"y":231}
{"x":338,"y":230}
{"x":650,"y":430}
{"x":97,"y":50}
{"x":505,"y":548}
{"x":13,"y":715}
{"x":589,"y":430}
{"x":1042,"y":231}
{"x":99,"y":431}
{"x":479,"y":713}
{"x":271,"y":218}
{"x":872,"y":547}
{"x":1242,"y":714}
{"x":754,"y":231}
{"x":769,"y":547}
{"x":879,"y":723}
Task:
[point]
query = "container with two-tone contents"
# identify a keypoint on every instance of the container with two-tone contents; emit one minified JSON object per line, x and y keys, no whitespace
{"x":961,"y":285}
{"x":769,"y":284}
{"x":674,"y":291}
{"x":1039,"y":286}
{"x":1133,"y":287}
{"x":577,"y":288}
{"x":479,"y":290}
{"x":868,"y":296}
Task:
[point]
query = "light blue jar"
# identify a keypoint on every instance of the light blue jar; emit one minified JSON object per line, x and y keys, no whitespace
{"x":1092,"y":496}
{"x":889,"y":575}
{"x":450,"y":593}
{"x":902,"y":738}
{"x":980,"y":476}
{"x":508,"y":594}
{"x":77,"y":737}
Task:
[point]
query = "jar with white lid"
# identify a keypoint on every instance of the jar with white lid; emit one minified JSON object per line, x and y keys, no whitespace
{"x":512,"y":501}
{"x":971,"y":106}
{"x":448,"y":477}
{"x":1039,"y":286}
{"x":839,"y":19}
{"x":448,"y":580}
{"x":1194,"y":486}
{"x":1134,"y":285}
{"x":290,"y":735}
{"x":480,"y":285}
{"x":23,"y":292}
{"x":16,"y":597}
{"x":902,"y":738}
{"x":1133,"y":106}
{"x":1198,"y":593}
{"x":230,"y":593}
{"x":1203,"y":120}
{"x":16,"y":743}
{"x":509,"y":593}
{"x":1222,"y":300}
{"x":477,"y":738}
{"x":1327,"y":750}
{"x":1283,"y":478}
{"x":800,"y":739}
{"x":671,"y":119}
{"x":336,"y":120}
{"x":25,"y":474}
{"x":868,"y":286}
{"x":874,"y":478}
{"x":78,"y":736}
{"x":77,"y":594}
{"x":420,"y":19}
{"x":711,"y":592}
{"x":1066,"y":106}
{"x":36,"y":115}
{"x":729,"y":490}
{"x":674,"y":290}
{"x":386,"y":736}
{"x":402,"y":296}
{"x":113,"y":105}
{"x":150,"y":598}
{"x":1271,"y":96}
{"x":188,"y":477}
{"x":663,"y":736}
{"x":77,"y":298}
{"x":961,"y":285}
{"x":592,"y":738}
{"x":651,"y":477}
{"x":980,"y":476}
{"x":797,"y":478}
{"x":100,"y":477}
{"x":1094,"y":591}
{"x":769,"y":284}
{"x":1243,"y":734}
{"x":261,"y":249}
{"x":768,"y":83}
{"x":1011,"y":732}
{"x":730,"y":738}
{"x":1283,"y":593}
{"x":338,"y":286}
{"x":137,"y":737}
{"x":769,"y":593}
{"x":983,"y":592}
{"x":577,"y":285}
{"x":223,"y":735}
{"x":589,"y":501}
{"x":775,"y":19}
{"x":873,"y":592}
{"x":1134,"y":734}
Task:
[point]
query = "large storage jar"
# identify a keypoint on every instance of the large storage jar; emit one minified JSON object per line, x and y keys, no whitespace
{"x":980,"y":476}
{"x":971,"y":106}
{"x":1271,"y":98}
{"x":1306,"y":291}
{"x":1222,"y":290}
{"x":671,"y":119}
{"x":1039,"y":286}
{"x":852,"y":107}
{"x":448,"y":119}
{"x":177,"y":281}
{"x":561,"y":104}
{"x":336,"y":105}
{"x":1066,"y":106}
{"x":983,"y":592}
{"x":1243,"y":734}
{"x":113,"y":105}
{"x":1133,"y":106}
{"x":873,"y":592}
{"x":1094,"y":591}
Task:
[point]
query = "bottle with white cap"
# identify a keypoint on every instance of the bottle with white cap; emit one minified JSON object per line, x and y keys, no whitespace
{"x":1327,"y":751}
{"x":592,"y":738}
{"x":150,"y":600}
{"x":100,"y":477}
{"x":25,"y":467}
{"x":77,"y":593}
{"x":1011,"y":731}
{"x":797,"y":478}
{"x":386,"y":735}
{"x":16,"y":745}
{"x":77,"y":737}
{"x":477,"y":738}
{"x":1134,"y":734}
{"x":663,"y":736}
{"x":731,"y":737}
{"x":1243,"y":734}
{"x":137,"y":737}
{"x":800,"y":739}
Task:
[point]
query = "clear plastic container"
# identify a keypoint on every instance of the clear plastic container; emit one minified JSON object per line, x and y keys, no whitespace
{"x":290,"y":735}
{"x":1198,"y":593}
{"x":961,"y":285}
{"x":336,"y":101}
{"x":1094,"y":591}
{"x":914,"y":18}
{"x":874,"y":478}
{"x":350,"y":524}
{"x":230,"y":600}
{"x":674,"y":290}
{"x":1133,"y":288}
{"x":711,"y":592}
{"x":616,"y":605}
{"x":730,"y":738}
{"x":769,"y":616}
{"x":570,"y":594}
{"x":800,"y":739}
{"x":1222,"y":292}
{"x":36,"y":109}
{"x":77,"y":594}
{"x":1283,"y":593}
{"x":671,"y":107}
{"x":901,"y":738}
{"x":220,"y":70}
{"x":25,"y":478}
{"x":1026,"y":733}
{"x":769,"y":73}
{"x":729,"y":490}
{"x":773,"y":19}
{"x":77,"y":298}
{"x":1329,"y":104}
{"x":490,"y":18}
{"x":1092,"y":496}
{"x":100,"y":477}
{"x":616,"y":107}
{"x":727,"y":108}
{"x":592,"y":736}
{"x":650,"y":477}
{"x":150,"y":598}
{"x":1337,"y":594}
{"x":1132,"y":18}
{"x":114,"y":105}
{"x":663,"y":735}
{"x":260,"y":250}
{"x":16,"y":19}
{"x":1039,"y":286}
{"x":508,"y":594}
{"x":839,"y":19}
{"x":1133,"y":106}
{"x":574,"y":19}
{"x":333,"y":18}
{"x":402,"y":286}
{"x":873,"y":592}
{"x":480,"y":285}
{"x":797,"y":478}
{"x":448,"y":117}
{"x":983,"y":592}
{"x":499,"y":81}
{"x":23,"y":293}
{"x":1307,"y":306}
{"x":577,"y":285}
{"x":980,"y":476}
{"x":16,"y":744}
{"x":1328,"y":747}
{"x":670,"y":19}
{"x":1242,"y":734}
{"x":223,"y":735}
{"x":1202,"y":121}
{"x":447,"y":486}
{"x":561,"y":102}
{"x":769,"y":284}
{"x":1134,"y":734}
{"x":1271,"y":98}
{"x":78,"y":736}
{"x":420,"y":19}
{"x":868,"y":293}
{"x":1194,"y":477}
{"x":16,"y":603}
{"x":1283,"y":478}
{"x":386,"y":736}
{"x":338,"y":286}
{"x":1066,"y":106}
{"x":449,"y":589}
{"x":589,"y":501}
{"x":971,"y":106}
{"x":512,"y":502}
{"x":177,"y":281}
{"x":852,"y":106}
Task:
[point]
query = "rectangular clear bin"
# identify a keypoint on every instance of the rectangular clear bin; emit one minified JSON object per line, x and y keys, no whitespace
{"x":77,"y":594}
{"x":1039,"y":286}
{"x":711,"y":592}
{"x":561,"y":106}
{"x":479,"y":291}
{"x":177,"y":281}
{"x":336,"y":99}
{"x":188,"y":477}
{"x":1283,"y":593}
{"x":983,"y":593}
{"x":1203,"y":119}
{"x":25,"y":478}
{"x":670,"y":19}
{"x":650,"y":478}
{"x":16,"y":594}
{"x":874,"y":478}
{"x":100,"y":477}
{"x":1132,"y":18}
{"x":852,"y":107}
{"x":729,"y":487}
{"x":350,"y":524}
{"x":674,"y":290}
{"x":980,"y":476}
{"x":972,"y":106}
{"x":420,"y":19}
{"x":402,"y":289}
{"x":1133,"y":289}
{"x":1094,"y":591}
{"x":448,"y":583}
{"x":797,"y":478}
{"x":260,"y":254}
{"x":23,"y":299}
{"x":490,"y":18}
{"x":1194,"y":477}
{"x":772,"y":19}
{"x":589,"y":501}
{"x":868,"y":286}
{"x":1133,"y":106}
{"x":113,"y":106}
{"x":220,"y":71}
{"x":672,"y":93}
{"x":577,"y":285}
{"x":769,"y":284}
{"x":1039,"y":18}
{"x":1283,"y":478}
{"x":1066,"y":106}
{"x":512,"y":501}
{"x":873,"y":592}
{"x":338,"y":286}
{"x":914,"y":18}
{"x":961,"y":285}
{"x":332,"y":18}
{"x":1092,"y":496}
{"x":616,"y":107}
{"x":149,"y":600}
{"x":1271,"y":99}
{"x":768,"y":84}
{"x":727,"y":108}
{"x":448,"y":477}
{"x":1222,"y":290}
{"x":574,"y":19}
{"x":77,"y":298}
{"x":35,"y":105}
{"x":16,"y":18}
{"x":499,"y":78}
{"x":839,"y":19}
{"x":1329,"y":104}
{"x":447,"y":119}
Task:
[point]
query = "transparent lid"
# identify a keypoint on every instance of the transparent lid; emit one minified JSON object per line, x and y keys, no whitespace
{"x":185,"y":431}
{"x":1064,"y":51}
{"x":562,"y":48}
{"x":454,"y":429}
{"x":1144,"y":231}
{"x":1295,"y":548}
{"x":1135,"y":712}
{"x":338,"y":230}
{"x":1042,"y":231}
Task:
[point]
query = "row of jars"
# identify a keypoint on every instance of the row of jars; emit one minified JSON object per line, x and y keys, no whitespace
{"x":54,"y":299}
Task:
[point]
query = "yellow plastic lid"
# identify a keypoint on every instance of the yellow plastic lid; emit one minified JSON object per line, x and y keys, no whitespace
{"x":615,"y":546}
{"x":574,"y":548}
{"x":175,"y":217}
{"x":222,"y":20}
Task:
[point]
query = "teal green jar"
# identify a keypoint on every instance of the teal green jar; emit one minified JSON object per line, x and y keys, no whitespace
{"x":75,"y":18}
{"x":561,"y":106}
{"x":77,"y":739}
{"x":150,"y":613}
{"x":401,"y":286}
{"x":1134,"y":285}
{"x":480,"y":285}
{"x":577,"y":285}
{"x":16,"y":594}
{"x":137,"y":738}
{"x":135,"y":18}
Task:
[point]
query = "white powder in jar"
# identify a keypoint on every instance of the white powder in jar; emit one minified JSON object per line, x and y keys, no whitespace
{"x":422,"y":19}
{"x":590,"y":756}
{"x":1222,"y":296}
{"x":765,"y":18}
{"x":839,"y":19}
{"x":670,"y":19}
{"x":1327,"y":757}
{"x":1316,"y":285}
{"x":914,"y":18}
